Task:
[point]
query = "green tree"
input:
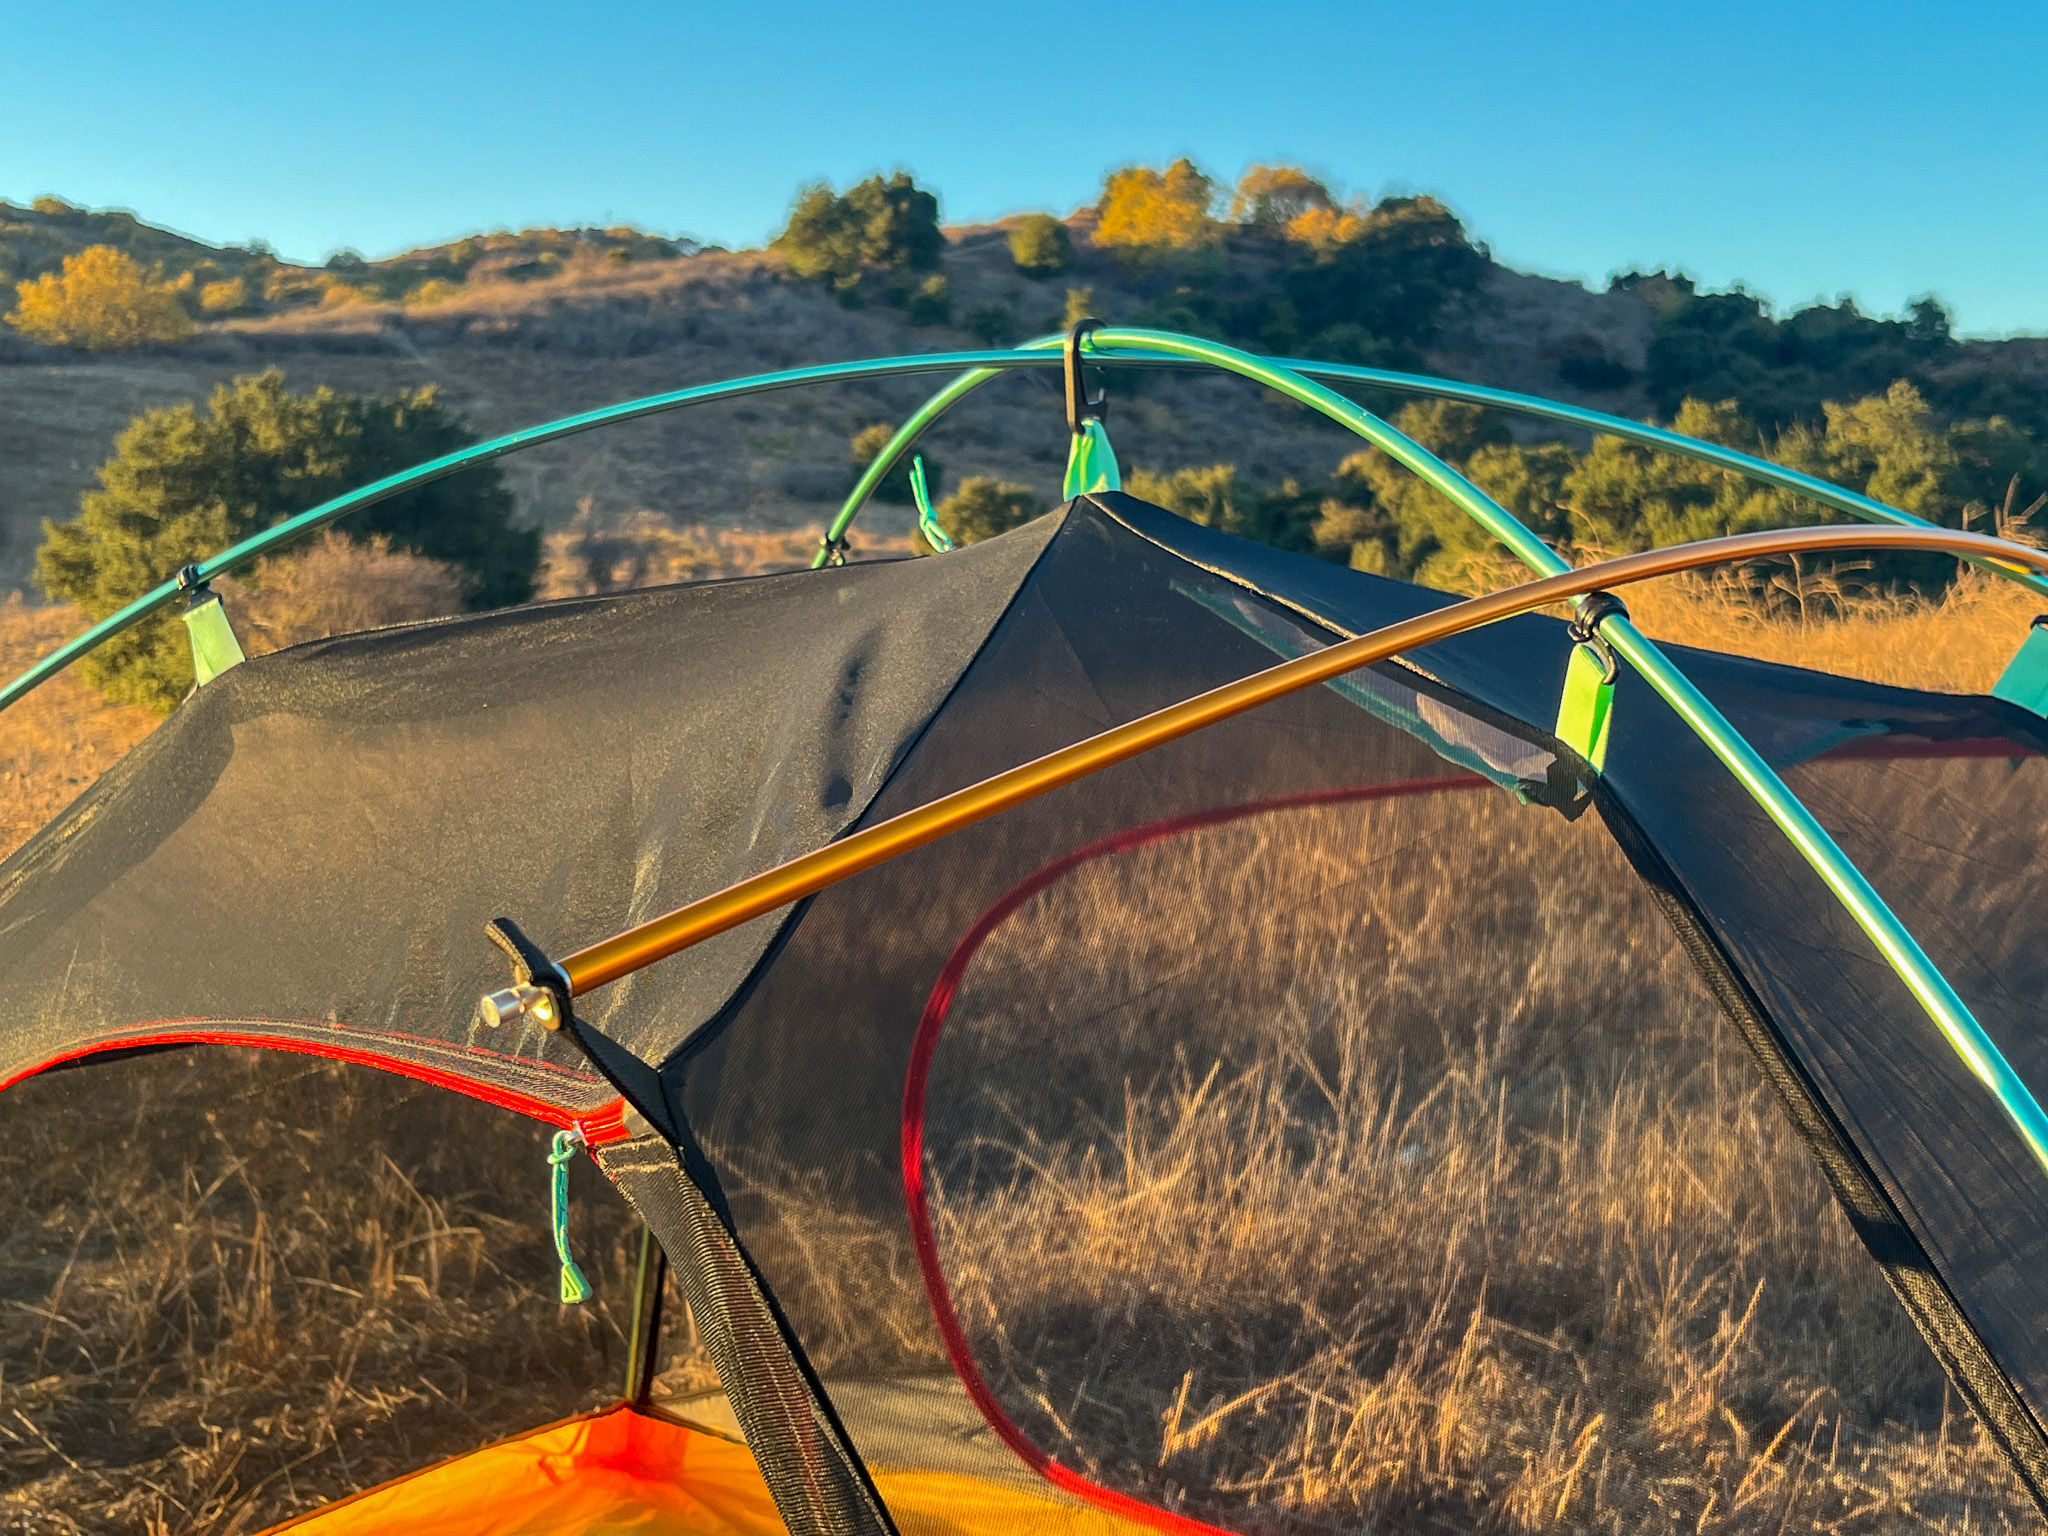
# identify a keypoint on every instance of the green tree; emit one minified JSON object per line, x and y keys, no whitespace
{"x":185,"y":483}
{"x":1389,"y":272}
{"x":1040,"y":245}
{"x":984,"y":507}
{"x":892,"y":225}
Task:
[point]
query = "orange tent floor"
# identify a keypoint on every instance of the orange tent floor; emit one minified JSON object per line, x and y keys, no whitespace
{"x":624,"y":1471}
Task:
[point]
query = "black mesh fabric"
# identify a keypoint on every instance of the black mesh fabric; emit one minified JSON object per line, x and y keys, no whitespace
{"x":311,"y":846}
{"x":1315,"y":1123}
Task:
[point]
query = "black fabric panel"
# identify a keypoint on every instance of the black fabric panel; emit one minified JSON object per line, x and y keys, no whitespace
{"x":320,"y":835}
{"x":820,"y":1486}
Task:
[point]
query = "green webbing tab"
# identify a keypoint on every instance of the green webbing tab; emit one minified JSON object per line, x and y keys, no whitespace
{"x":1091,"y":462}
{"x":2025,"y":679}
{"x":1587,"y":705}
{"x":214,"y":646}
{"x":927,"y":518}
{"x":574,"y":1287}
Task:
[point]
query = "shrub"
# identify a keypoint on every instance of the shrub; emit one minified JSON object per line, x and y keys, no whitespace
{"x":895,"y":487}
{"x":336,"y":586}
{"x":1146,"y":214}
{"x":930,"y":302}
{"x":102,"y":301}
{"x":434,"y":290}
{"x":1080,"y":305}
{"x":1040,"y":246}
{"x":891,"y":224}
{"x":224,"y":297}
{"x":1215,"y":497}
{"x":183,"y":484}
{"x":984,"y":507}
{"x":995,"y":325}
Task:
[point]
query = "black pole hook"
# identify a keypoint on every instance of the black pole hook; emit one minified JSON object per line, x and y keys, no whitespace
{"x":1081,"y":406}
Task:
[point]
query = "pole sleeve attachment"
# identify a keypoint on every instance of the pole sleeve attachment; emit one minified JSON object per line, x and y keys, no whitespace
{"x":1586,"y":707}
{"x":214,"y":646}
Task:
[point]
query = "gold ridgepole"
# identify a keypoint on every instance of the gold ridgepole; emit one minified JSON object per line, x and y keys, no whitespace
{"x":621,"y":955}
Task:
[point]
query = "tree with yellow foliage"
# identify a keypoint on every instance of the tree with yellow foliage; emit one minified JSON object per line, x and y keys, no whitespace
{"x":1146,"y":213}
{"x":102,"y":301}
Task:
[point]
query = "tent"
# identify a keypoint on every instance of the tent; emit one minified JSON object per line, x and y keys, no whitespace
{"x":1054,"y":1161}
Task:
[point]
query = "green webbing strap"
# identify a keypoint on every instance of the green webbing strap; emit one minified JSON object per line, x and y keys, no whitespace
{"x":2025,"y":679}
{"x":574,"y":1287}
{"x":1091,"y":462}
{"x":1586,"y":707}
{"x":927,"y":519}
{"x":214,"y":646}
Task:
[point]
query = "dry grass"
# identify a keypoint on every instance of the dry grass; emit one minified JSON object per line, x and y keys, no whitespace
{"x":1409,"y":1181}
{"x":645,"y":549}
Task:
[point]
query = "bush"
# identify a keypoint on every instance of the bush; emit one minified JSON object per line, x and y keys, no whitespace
{"x":102,"y":301}
{"x":184,"y":484}
{"x":931,"y":302}
{"x":1040,"y":246}
{"x":895,"y":487}
{"x":984,"y":507}
{"x":893,"y":225}
{"x":994,"y":325}
{"x":1215,"y":497}
{"x":1147,"y":214}
{"x":336,"y":586}
{"x":224,"y":297}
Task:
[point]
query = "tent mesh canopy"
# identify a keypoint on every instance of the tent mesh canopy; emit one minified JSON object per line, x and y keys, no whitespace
{"x":1354,"y":1115}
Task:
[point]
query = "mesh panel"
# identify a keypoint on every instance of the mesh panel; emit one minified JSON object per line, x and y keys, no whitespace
{"x":240,"y":1284}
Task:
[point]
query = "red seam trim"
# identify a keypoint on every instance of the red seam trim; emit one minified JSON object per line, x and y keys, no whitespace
{"x":916,"y":1080}
{"x":600,"y":1126}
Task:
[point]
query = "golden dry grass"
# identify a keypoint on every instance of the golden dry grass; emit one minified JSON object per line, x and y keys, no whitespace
{"x":1406,"y":1179}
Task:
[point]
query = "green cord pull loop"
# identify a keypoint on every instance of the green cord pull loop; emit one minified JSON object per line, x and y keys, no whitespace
{"x":574,"y":1287}
{"x":927,"y":518}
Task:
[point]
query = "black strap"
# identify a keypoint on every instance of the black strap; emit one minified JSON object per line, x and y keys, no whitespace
{"x":820,"y":1484}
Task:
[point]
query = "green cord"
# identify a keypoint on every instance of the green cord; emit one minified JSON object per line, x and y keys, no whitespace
{"x":927,"y":518}
{"x":574,"y":1287}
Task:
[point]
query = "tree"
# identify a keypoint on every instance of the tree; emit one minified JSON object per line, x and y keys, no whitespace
{"x":984,"y":507}
{"x":1214,"y":496}
{"x":1146,"y":214}
{"x":1040,"y":245}
{"x":185,"y":483}
{"x":1272,"y":197}
{"x":892,"y":225}
{"x":102,"y":301}
{"x":1391,"y":275}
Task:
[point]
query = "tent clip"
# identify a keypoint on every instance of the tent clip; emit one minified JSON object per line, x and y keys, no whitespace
{"x":1586,"y":707}
{"x":1595,"y":609}
{"x":1091,"y":462}
{"x":834,"y":550}
{"x":214,"y":646}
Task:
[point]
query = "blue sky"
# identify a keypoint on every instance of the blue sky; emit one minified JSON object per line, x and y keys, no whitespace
{"x":1808,"y":150}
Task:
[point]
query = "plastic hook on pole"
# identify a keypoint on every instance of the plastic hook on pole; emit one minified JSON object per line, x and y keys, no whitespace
{"x":1091,"y":461}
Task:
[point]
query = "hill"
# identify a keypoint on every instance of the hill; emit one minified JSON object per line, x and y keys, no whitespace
{"x":520,"y":328}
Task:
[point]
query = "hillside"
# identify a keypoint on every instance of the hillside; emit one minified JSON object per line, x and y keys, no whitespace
{"x":519,"y":329}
